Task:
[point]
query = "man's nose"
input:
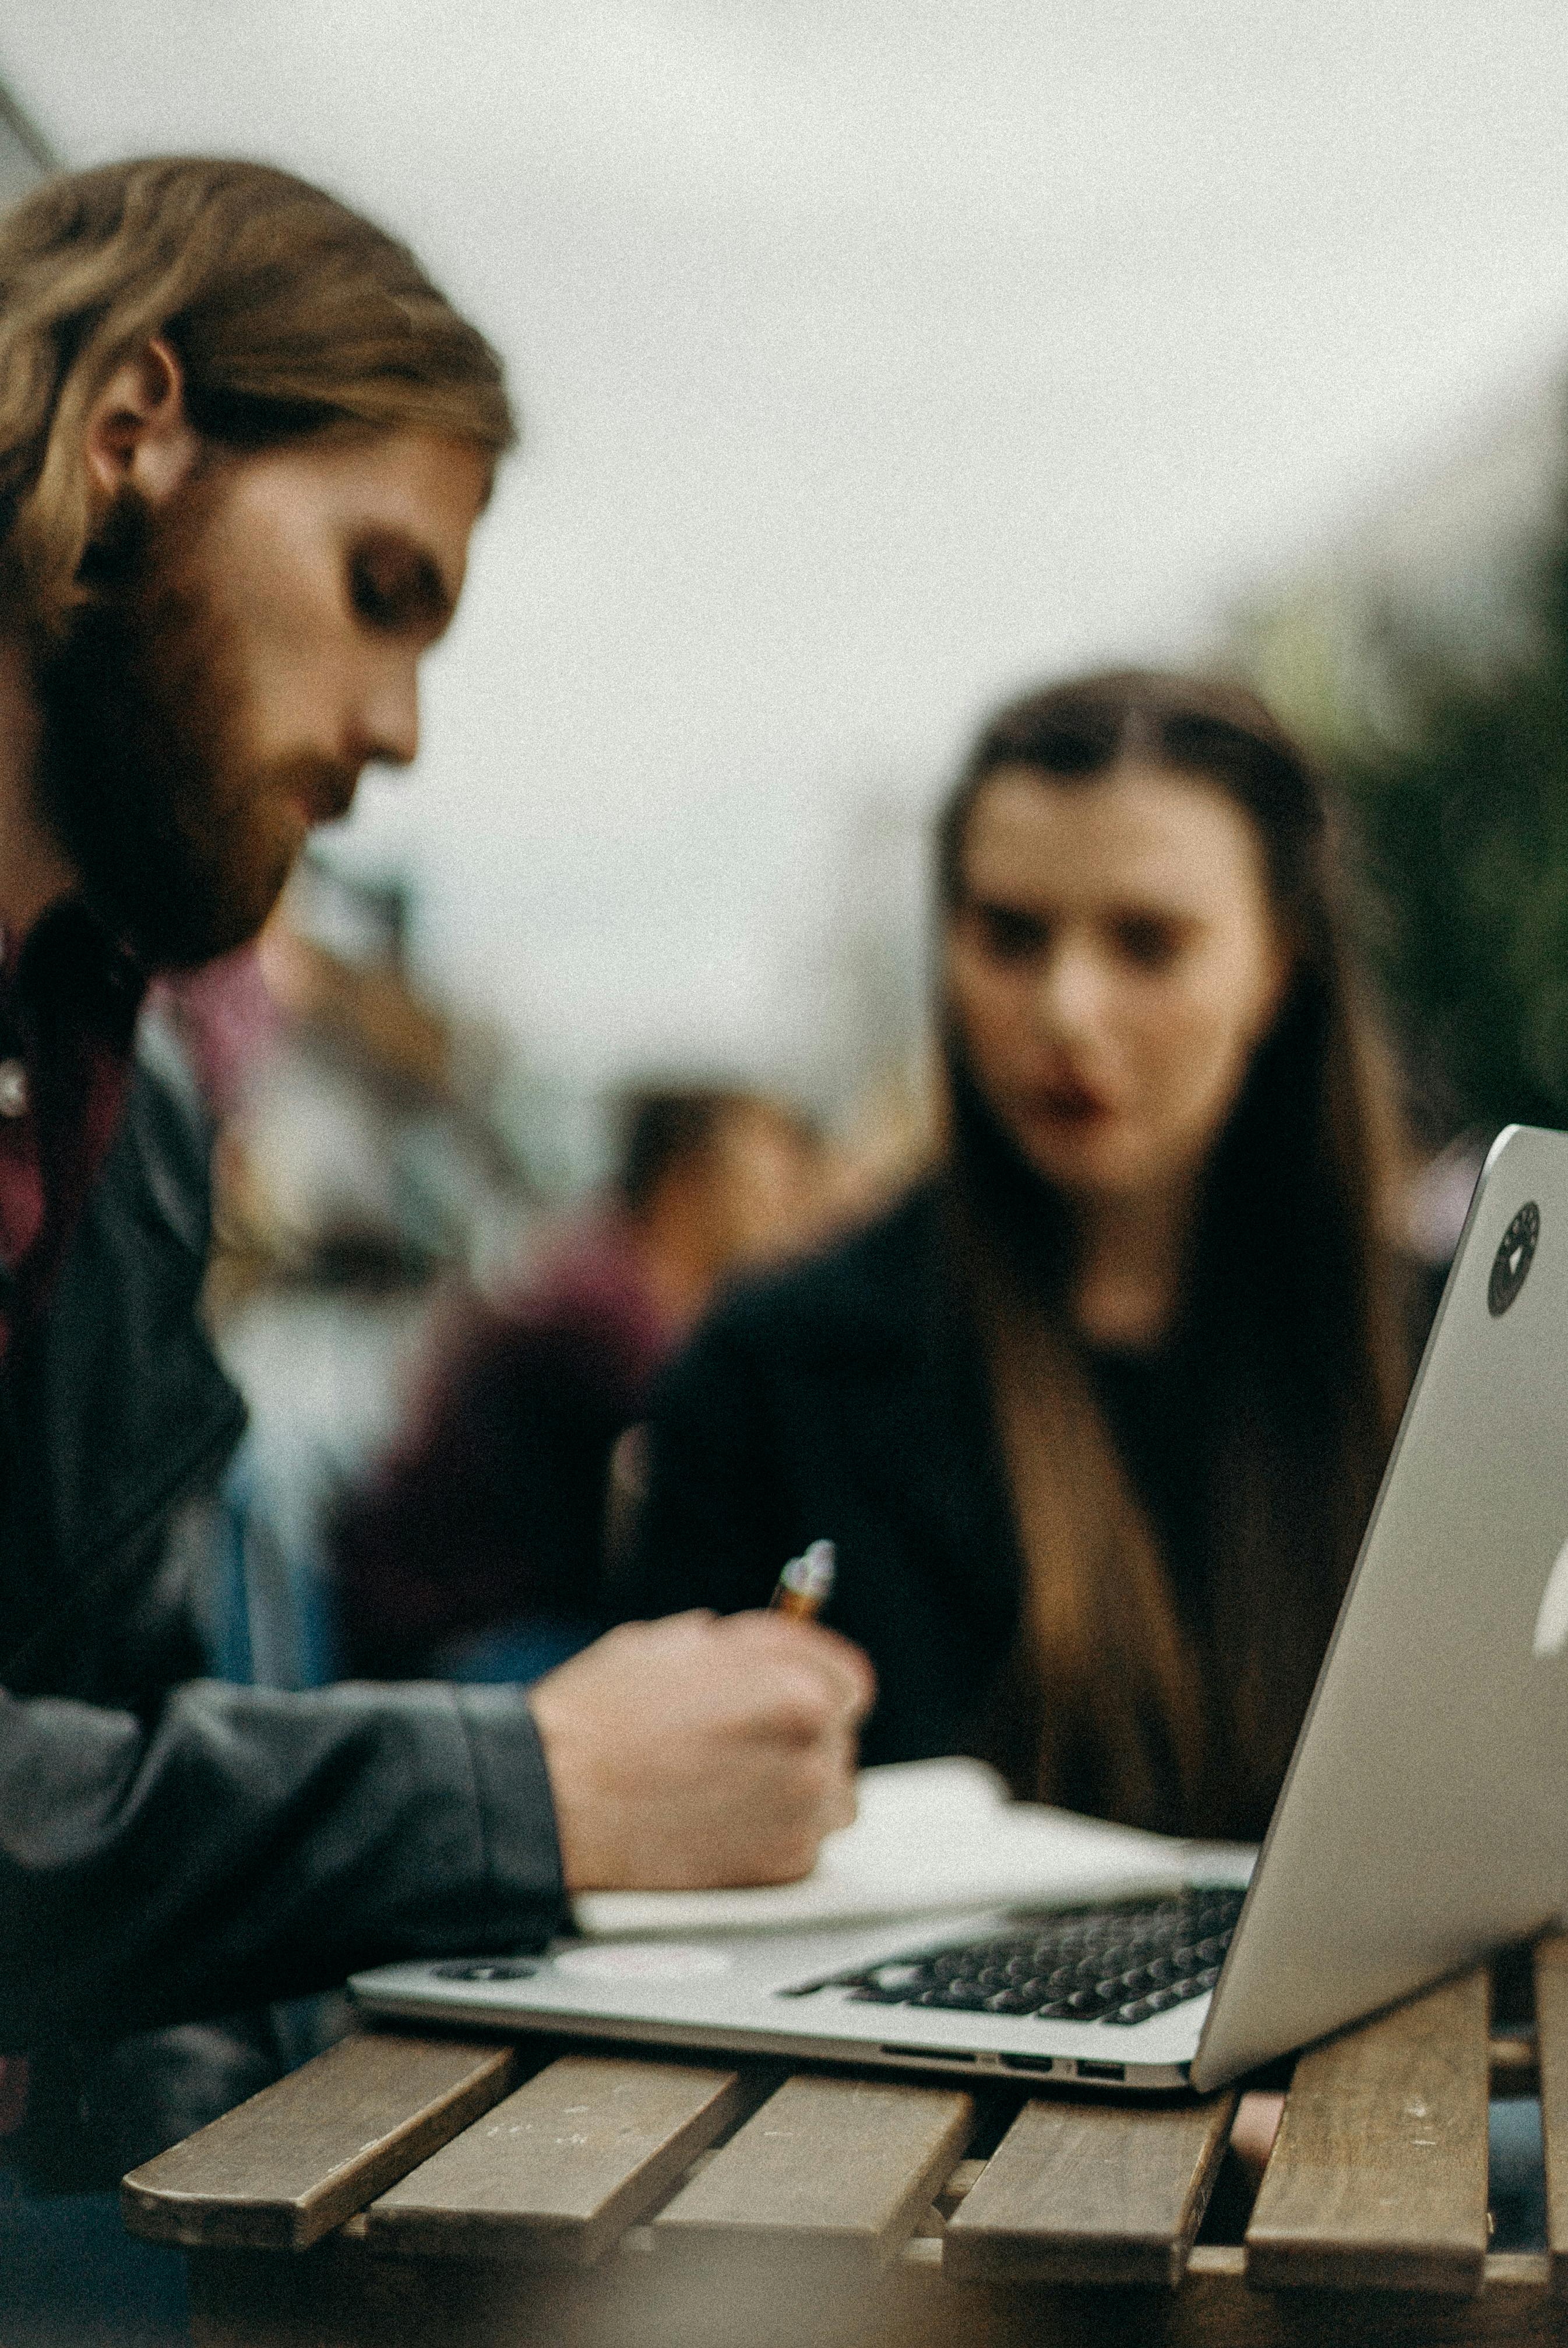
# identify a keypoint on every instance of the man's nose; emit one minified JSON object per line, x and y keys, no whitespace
{"x":386,"y":722}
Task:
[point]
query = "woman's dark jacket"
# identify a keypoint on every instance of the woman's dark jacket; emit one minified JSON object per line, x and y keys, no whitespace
{"x":846,"y":1400}
{"x":170,"y":1848}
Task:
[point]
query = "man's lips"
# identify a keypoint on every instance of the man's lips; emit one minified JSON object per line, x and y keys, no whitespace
{"x":323,"y":794}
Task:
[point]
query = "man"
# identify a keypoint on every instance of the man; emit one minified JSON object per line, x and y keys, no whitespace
{"x":243,"y":443}
{"x":485,"y":1542}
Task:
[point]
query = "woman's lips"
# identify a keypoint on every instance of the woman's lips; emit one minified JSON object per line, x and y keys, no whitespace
{"x":1069,"y":1103}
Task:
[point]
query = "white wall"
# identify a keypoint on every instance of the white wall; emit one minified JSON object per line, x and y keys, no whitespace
{"x":874,"y":358}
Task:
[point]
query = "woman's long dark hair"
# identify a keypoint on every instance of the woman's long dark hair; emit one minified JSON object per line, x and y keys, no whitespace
{"x":1293,"y":1336}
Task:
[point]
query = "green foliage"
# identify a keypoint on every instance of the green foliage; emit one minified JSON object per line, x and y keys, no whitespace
{"x":1463,"y":825}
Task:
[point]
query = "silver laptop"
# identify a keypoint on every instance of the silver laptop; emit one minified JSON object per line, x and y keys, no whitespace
{"x":1423,"y":1822}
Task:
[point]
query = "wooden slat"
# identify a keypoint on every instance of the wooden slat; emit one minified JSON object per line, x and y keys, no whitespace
{"x":1378,"y":2176}
{"x":1096,"y":2193}
{"x":843,"y":2164}
{"x":1551,"y":2046}
{"x":282,"y":2170}
{"x":556,"y":2172}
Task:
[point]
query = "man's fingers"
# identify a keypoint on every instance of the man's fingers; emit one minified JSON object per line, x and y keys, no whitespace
{"x":699,"y":1750}
{"x":844,"y":1670}
{"x":684,"y":1625}
{"x":852,"y":1664}
{"x":841,"y":1807}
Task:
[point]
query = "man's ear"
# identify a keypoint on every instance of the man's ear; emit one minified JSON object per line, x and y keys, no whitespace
{"x":138,"y":433}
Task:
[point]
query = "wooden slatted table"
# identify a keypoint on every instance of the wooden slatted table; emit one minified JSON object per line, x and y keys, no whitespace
{"x":413,"y":2189}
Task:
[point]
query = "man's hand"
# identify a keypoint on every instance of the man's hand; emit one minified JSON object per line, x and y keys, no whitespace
{"x":701,"y":1751}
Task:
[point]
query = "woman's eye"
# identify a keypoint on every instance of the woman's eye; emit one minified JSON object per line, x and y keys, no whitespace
{"x":1008,"y":937}
{"x":1147,"y":941}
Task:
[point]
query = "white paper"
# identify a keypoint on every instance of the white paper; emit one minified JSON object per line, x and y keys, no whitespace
{"x":930,"y":1835}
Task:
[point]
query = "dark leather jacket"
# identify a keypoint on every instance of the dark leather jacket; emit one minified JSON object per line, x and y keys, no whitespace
{"x":173,"y":1851}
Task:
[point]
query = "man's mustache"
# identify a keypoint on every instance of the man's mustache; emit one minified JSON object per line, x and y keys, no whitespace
{"x":325,"y":788}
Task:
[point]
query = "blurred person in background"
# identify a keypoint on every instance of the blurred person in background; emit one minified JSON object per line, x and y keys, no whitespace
{"x":1096,"y":1414}
{"x":244,"y":444}
{"x":478,"y":1548}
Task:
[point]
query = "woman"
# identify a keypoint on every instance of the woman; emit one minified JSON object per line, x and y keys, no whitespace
{"x":1096,"y":1414}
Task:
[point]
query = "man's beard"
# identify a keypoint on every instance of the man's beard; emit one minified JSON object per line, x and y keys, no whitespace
{"x":181,"y":846}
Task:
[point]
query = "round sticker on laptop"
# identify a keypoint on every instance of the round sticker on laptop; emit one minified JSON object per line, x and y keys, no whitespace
{"x":1515,"y":1254}
{"x":642,"y":1961}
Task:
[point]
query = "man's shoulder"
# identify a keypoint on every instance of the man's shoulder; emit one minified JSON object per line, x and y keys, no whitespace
{"x":138,"y":1258}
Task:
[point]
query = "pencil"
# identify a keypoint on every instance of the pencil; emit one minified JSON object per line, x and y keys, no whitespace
{"x":806,"y":1585}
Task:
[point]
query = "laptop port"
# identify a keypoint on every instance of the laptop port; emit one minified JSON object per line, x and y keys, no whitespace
{"x":932,"y":2054}
{"x":1029,"y":2062}
{"x":1102,"y":2071}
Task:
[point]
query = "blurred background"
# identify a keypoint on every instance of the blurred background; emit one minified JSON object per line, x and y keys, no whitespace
{"x":874,"y":362}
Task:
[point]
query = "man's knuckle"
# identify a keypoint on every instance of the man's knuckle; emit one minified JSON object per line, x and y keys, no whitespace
{"x":797,"y":1852}
{"x":812,"y":1704}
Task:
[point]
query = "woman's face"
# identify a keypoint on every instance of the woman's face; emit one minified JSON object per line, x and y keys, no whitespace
{"x":1113,"y":963}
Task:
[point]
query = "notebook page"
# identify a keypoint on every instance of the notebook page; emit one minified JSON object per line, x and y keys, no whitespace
{"x":930,"y":1835}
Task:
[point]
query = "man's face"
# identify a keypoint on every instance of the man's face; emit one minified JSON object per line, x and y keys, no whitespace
{"x":255,"y":646}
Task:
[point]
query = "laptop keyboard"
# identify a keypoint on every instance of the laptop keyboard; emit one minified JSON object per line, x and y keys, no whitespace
{"x":1120,"y":1963}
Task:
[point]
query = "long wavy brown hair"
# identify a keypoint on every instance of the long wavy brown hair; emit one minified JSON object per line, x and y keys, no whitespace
{"x":1293,"y":1338}
{"x":289,"y":314}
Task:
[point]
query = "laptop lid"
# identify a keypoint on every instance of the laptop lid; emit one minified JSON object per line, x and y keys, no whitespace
{"x":1424,"y":1820}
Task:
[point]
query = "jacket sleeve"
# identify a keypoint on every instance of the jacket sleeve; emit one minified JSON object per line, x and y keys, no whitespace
{"x":245,"y":1846}
{"x":718,"y":1522}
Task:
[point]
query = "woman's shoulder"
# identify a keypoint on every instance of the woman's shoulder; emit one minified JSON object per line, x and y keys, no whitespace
{"x":864,"y":1290}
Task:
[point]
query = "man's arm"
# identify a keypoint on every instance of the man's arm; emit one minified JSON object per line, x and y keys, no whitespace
{"x":247,"y":1844}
